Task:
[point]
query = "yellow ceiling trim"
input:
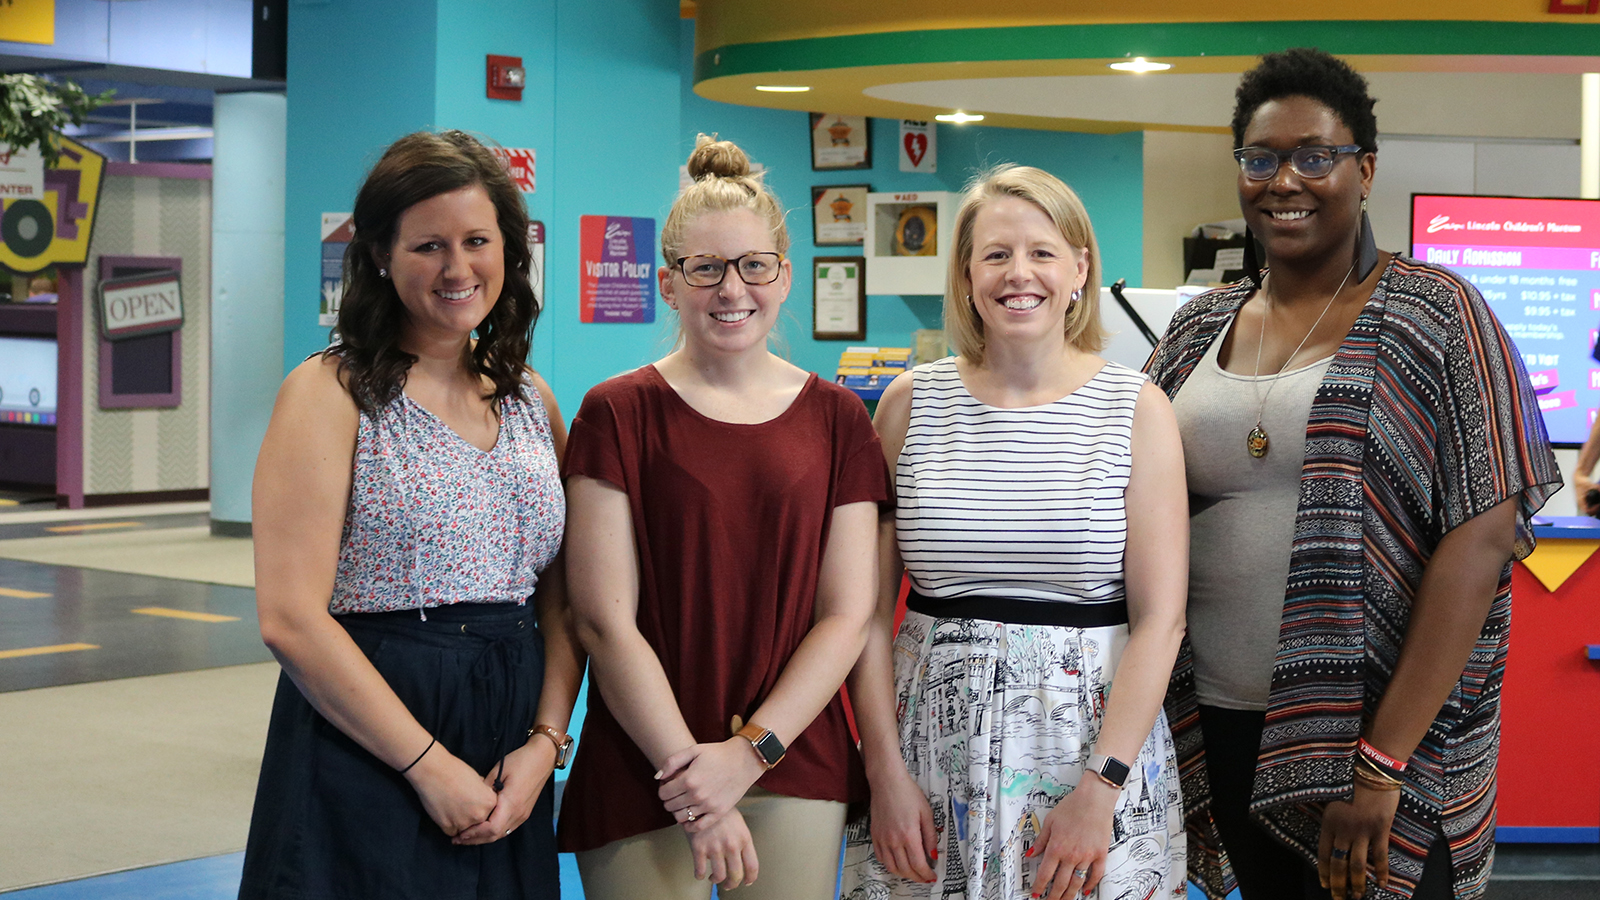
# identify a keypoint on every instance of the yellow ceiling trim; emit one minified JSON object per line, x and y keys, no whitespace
{"x":720,"y":23}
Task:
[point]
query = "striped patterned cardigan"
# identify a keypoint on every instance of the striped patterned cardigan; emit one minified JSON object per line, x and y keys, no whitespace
{"x":1424,"y":419}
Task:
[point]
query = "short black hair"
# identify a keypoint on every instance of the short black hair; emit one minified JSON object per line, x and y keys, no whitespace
{"x":1308,"y":72}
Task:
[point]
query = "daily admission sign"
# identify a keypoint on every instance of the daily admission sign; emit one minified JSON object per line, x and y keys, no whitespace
{"x":137,"y":305}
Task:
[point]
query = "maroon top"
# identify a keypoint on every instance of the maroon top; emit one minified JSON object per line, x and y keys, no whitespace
{"x":730,"y":522}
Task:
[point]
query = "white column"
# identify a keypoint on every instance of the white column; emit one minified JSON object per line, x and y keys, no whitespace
{"x":1589,"y":138}
{"x":248,"y":177}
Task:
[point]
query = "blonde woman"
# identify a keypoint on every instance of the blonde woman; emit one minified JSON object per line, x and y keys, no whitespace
{"x":1016,"y":744}
{"x":721,"y":510}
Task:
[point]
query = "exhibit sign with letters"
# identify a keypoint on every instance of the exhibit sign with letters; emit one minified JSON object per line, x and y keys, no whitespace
{"x":617,"y":282}
{"x":136,"y":305}
{"x":52,"y":227}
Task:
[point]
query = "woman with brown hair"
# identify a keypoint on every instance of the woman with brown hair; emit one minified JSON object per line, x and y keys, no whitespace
{"x":410,"y":474}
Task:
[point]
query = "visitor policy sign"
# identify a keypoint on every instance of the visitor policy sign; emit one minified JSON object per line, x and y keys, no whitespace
{"x":136,"y":305}
{"x":617,"y":283}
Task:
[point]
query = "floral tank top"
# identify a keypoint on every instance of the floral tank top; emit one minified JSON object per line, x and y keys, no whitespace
{"x":433,"y":520}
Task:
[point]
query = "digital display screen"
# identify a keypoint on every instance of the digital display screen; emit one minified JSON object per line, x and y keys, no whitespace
{"x":1537,"y":264}
{"x":28,"y":380}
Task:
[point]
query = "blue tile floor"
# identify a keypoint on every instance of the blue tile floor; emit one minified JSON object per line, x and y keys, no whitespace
{"x":217,"y":878}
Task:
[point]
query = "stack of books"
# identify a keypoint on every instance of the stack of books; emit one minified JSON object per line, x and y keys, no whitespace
{"x":868,"y":370}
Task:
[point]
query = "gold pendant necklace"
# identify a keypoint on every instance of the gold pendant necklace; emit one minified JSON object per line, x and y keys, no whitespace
{"x":1257,"y":441}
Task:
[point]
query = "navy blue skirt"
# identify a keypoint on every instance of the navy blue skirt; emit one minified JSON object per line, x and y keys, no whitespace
{"x":333,"y":821}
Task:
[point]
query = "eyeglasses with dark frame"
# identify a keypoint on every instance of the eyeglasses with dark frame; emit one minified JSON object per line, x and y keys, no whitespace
{"x":1316,"y":161}
{"x":705,"y":270}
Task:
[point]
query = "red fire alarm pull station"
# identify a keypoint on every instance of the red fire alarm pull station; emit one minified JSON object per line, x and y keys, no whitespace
{"x":506,"y":77}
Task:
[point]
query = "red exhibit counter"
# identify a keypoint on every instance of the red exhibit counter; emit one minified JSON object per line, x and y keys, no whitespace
{"x":1550,"y":735}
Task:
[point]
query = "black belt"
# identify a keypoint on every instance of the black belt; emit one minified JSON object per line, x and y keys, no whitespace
{"x":1012,"y":611}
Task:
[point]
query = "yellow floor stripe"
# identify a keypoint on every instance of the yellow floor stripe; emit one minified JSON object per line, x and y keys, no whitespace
{"x":184,"y":614}
{"x":5,"y":502}
{"x":41,"y":651}
{"x":21,"y":595}
{"x":91,"y":526}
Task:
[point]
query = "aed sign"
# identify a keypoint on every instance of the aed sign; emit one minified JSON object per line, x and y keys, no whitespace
{"x":137,"y":305}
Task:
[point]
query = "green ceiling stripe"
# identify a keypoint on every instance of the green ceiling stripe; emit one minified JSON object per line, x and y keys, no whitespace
{"x":1153,"y":40}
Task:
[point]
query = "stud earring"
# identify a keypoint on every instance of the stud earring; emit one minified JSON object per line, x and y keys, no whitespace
{"x":1076,"y":293}
{"x":383,"y":273}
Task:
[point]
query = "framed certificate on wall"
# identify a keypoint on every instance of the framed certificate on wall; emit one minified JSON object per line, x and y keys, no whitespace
{"x":840,"y":142}
{"x":839,"y":215}
{"x":839,"y":306}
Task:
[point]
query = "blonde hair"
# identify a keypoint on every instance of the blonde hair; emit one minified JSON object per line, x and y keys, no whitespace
{"x":722,"y":182}
{"x":962,"y":326}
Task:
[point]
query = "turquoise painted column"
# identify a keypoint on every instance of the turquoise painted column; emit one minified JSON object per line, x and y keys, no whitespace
{"x":246,"y":294}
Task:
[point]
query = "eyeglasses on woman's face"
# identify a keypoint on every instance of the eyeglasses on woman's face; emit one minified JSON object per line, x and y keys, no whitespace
{"x":1261,"y":163}
{"x":757,"y":268}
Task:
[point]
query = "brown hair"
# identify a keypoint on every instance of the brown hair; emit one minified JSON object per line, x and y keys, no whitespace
{"x":415,"y":168}
{"x":962,"y":326}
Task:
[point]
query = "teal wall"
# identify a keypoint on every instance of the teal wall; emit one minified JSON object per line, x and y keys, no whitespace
{"x":611,"y":113}
{"x":1107,"y":171}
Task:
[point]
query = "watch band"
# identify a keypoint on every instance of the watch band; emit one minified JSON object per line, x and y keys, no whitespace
{"x":1111,"y":770}
{"x":563,"y":742}
{"x":768,"y":748}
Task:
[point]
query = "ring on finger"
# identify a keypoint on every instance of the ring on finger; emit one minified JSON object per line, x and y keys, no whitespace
{"x":1080,"y":873}
{"x":688,"y":814}
{"x":1340,"y":853}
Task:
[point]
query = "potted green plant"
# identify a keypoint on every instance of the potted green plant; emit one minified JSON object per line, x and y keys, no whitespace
{"x":35,"y":107}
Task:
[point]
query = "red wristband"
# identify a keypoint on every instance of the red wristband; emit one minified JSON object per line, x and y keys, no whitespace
{"x":1379,"y":758}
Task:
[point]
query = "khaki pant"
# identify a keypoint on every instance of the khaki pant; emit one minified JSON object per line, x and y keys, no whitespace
{"x":797,"y":847}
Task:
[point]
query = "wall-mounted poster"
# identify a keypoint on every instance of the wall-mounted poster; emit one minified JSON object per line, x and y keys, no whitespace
{"x":839,"y":308}
{"x":519,"y":162}
{"x":840,"y":142}
{"x":839,"y":214}
{"x":618,"y":278}
{"x":337,"y":230}
{"x":536,"y":262}
{"x":919,"y":146}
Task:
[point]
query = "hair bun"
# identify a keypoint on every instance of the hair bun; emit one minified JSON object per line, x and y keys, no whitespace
{"x":717,"y":159}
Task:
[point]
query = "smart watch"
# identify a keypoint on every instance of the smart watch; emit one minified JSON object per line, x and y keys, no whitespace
{"x":766,"y":744}
{"x":1111,"y":770}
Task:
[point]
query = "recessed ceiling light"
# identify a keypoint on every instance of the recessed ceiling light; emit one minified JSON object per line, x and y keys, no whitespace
{"x":960,"y":117}
{"x":1140,"y":64}
{"x":783,"y":88}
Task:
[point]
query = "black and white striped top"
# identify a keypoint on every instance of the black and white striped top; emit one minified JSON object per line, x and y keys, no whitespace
{"x":1023,"y":503}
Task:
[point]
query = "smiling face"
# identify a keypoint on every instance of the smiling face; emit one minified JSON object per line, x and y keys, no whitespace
{"x":731,"y":317}
{"x":447,"y":263}
{"x":1304,"y":219}
{"x":1023,"y":272}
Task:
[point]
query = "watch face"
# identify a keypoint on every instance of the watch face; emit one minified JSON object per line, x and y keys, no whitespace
{"x":770,"y":748}
{"x":1115,"y":771}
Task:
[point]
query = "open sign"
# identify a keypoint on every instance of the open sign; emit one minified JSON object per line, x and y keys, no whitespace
{"x":136,"y":305}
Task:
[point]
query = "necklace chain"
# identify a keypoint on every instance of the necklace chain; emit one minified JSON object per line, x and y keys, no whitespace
{"x":1256,"y":441}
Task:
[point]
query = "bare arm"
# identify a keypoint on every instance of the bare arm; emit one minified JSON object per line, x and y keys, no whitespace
{"x":528,"y":767}
{"x":1077,"y":833}
{"x":301,"y":490}
{"x":903,"y":837}
{"x":1447,"y":616}
{"x":1583,"y":473}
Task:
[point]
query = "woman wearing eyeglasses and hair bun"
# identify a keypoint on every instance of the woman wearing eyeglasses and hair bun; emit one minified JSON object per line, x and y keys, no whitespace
{"x":722,"y":509}
{"x":1364,"y":455}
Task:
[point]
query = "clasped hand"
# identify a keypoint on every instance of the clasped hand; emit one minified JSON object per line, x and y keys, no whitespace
{"x":466,"y":806}
{"x":706,"y":780}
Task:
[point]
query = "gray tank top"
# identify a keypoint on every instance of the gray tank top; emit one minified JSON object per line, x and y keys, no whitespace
{"x":1241,"y":521}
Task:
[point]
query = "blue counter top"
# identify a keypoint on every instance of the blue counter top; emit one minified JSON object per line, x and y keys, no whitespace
{"x":1585,"y":528}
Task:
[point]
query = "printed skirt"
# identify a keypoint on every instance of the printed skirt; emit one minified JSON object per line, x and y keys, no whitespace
{"x":997,"y":722}
{"x":333,"y":821}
